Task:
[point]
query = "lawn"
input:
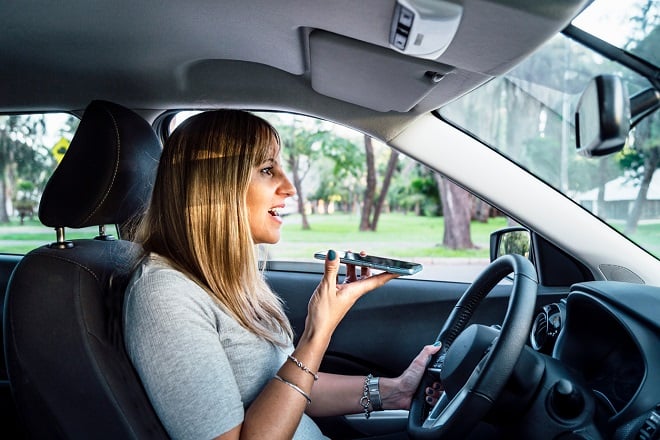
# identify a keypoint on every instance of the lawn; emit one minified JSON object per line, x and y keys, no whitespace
{"x":19,"y":239}
{"x":647,"y":235}
{"x":397,"y":235}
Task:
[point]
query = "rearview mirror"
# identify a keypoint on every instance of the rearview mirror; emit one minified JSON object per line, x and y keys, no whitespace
{"x":512,"y":240}
{"x":602,"y":117}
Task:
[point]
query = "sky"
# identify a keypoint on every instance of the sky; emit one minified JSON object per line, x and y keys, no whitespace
{"x":610,"y":19}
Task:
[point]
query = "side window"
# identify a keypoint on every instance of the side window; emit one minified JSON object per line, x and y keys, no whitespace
{"x":31,"y":146}
{"x":356,"y":193}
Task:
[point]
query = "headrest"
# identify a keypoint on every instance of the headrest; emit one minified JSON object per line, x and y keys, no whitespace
{"x":107,"y":174}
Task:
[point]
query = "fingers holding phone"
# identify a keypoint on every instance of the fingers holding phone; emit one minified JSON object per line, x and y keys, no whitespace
{"x":356,"y":272}
{"x":331,"y":301}
{"x":366,"y":261}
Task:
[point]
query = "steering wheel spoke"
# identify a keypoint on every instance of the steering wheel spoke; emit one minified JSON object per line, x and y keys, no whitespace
{"x":441,"y":412}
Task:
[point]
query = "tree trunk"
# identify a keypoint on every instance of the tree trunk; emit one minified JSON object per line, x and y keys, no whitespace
{"x":481,"y":210}
{"x":389,"y":172}
{"x":457,"y":209}
{"x":651,"y":162}
{"x":4,"y":162}
{"x":297,"y":183}
{"x":370,"y":190}
{"x":4,"y":217}
{"x":599,"y":209}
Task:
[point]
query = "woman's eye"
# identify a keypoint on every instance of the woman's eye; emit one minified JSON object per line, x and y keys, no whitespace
{"x":268,"y":171}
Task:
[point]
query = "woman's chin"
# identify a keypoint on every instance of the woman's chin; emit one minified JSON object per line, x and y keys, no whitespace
{"x":268,"y":240}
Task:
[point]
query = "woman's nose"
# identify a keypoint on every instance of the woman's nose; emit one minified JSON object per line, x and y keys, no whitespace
{"x":287,"y":188}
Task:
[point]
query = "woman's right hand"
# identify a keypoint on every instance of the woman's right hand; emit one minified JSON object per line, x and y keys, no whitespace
{"x":331,"y":301}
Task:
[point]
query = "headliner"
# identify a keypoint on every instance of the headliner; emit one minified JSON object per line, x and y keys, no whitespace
{"x":324,"y":58}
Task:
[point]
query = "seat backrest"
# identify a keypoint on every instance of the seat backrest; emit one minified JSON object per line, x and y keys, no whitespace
{"x":69,"y":373}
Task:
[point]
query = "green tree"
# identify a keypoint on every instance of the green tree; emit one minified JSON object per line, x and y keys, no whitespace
{"x":457,"y":212}
{"x":300,"y":148}
{"x":24,"y":156}
{"x":26,"y":200}
{"x":641,"y":164}
{"x":414,"y":189}
{"x":345,"y":182}
{"x":305,"y":144}
{"x":18,"y":134}
{"x":372,"y":205}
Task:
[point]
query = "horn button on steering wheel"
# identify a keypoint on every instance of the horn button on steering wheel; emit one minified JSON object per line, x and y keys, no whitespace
{"x":464,"y":354}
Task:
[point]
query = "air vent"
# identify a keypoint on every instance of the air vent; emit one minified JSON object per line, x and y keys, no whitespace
{"x":539,"y":335}
{"x":546,"y":327}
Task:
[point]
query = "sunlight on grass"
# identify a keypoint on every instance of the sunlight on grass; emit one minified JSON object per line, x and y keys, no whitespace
{"x":647,"y":234}
{"x":19,"y":239}
{"x":398,"y":235}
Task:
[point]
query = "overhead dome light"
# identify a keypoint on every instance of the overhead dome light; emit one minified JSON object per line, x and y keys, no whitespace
{"x":424,"y":28}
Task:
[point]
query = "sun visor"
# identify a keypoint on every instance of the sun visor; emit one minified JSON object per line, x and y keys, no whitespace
{"x":370,"y":76}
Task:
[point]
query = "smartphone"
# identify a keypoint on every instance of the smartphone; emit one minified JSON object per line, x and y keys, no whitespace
{"x":374,"y":262}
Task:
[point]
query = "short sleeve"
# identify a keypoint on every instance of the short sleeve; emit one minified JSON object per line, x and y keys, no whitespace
{"x":172,"y":340}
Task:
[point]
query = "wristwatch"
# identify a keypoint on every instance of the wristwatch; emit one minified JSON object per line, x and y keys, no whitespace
{"x":374,"y":393}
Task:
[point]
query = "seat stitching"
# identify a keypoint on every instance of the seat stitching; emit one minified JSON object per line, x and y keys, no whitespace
{"x":115,"y":171}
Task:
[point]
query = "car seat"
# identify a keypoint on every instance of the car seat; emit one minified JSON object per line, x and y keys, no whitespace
{"x":70,"y":376}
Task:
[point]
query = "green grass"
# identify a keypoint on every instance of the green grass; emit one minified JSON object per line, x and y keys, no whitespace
{"x":647,"y":235}
{"x":398,"y":234}
{"x":19,"y":239}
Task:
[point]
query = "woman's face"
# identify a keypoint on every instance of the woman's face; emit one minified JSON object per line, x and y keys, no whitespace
{"x":268,"y":189}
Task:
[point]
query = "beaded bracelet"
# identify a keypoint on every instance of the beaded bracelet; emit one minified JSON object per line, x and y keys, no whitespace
{"x":303,"y":367}
{"x":365,"y":401}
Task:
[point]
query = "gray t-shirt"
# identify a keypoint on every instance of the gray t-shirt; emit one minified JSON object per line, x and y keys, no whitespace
{"x":200,"y":368}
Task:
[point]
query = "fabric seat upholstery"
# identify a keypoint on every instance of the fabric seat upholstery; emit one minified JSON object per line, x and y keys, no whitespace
{"x":68,"y":370}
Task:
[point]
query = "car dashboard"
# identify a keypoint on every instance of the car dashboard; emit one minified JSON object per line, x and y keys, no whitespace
{"x":608,"y":335}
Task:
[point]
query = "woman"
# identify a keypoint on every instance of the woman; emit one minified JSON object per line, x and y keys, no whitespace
{"x":208,"y":338}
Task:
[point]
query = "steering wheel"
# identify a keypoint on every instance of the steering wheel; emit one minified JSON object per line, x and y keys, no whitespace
{"x":474,"y":364}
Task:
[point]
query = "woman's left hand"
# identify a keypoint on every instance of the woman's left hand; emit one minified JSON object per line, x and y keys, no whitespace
{"x":331,"y":301}
{"x":397,"y":393}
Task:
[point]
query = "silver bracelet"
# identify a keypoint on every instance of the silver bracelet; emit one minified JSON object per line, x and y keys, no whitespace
{"x":303,"y":367}
{"x":365,"y":401}
{"x":295,"y":387}
{"x":373,"y":385}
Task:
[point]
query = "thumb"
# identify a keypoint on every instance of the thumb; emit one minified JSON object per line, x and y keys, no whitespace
{"x":427,"y":352}
{"x":331,"y":267}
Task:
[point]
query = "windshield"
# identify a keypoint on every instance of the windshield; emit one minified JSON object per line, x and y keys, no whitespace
{"x":633,"y":28}
{"x":534,"y":123}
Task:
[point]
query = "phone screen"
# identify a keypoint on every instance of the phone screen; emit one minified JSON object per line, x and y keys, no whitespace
{"x":380,"y":263}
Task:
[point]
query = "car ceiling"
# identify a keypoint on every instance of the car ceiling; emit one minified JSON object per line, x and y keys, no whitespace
{"x":325,"y":58}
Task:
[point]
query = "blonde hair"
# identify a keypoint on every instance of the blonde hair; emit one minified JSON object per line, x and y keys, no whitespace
{"x":198,"y":217}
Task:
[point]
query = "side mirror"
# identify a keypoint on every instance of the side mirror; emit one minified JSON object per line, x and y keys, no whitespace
{"x":602,"y":117}
{"x":513,"y":240}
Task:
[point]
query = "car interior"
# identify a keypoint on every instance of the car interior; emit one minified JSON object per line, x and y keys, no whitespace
{"x":559,"y":340}
{"x":78,"y":296}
